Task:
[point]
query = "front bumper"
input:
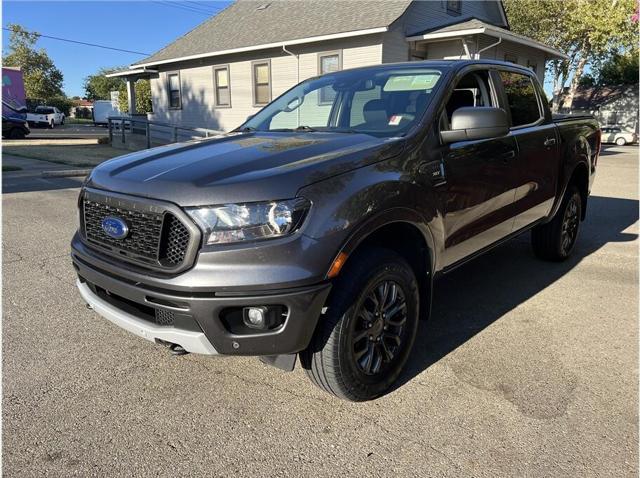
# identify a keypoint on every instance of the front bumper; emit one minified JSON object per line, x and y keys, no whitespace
{"x":191,"y":341}
{"x":202,"y":323}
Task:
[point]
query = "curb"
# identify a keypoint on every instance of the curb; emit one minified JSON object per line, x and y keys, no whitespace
{"x":65,"y":173}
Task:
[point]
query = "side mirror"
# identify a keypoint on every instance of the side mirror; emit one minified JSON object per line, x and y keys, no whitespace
{"x":469,"y":123}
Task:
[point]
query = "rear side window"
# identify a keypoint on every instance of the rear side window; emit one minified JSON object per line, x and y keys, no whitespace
{"x":522,"y":98}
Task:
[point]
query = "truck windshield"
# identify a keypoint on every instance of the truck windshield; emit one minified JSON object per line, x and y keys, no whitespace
{"x":382,"y":103}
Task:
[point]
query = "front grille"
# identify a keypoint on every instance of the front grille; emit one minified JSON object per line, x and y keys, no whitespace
{"x":155,"y":237}
{"x":145,"y":229}
{"x":165,"y":317}
{"x":174,"y":247}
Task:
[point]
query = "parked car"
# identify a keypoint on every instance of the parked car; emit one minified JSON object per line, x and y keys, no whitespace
{"x":48,"y":116}
{"x":615,"y":135}
{"x":317,"y":228}
{"x":14,"y":128}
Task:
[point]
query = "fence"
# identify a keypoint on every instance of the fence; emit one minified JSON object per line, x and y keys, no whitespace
{"x":136,"y":133}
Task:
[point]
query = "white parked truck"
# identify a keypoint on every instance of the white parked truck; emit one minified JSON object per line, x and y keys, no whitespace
{"x":48,"y":116}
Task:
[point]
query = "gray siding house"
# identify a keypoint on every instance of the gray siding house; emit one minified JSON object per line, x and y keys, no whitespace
{"x":233,"y":64}
{"x":615,"y":105}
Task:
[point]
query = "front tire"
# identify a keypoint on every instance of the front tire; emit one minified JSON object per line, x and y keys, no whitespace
{"x":621,"y":141}
{"x":363,"y":341}
{"x":16,"y":134}
{"x":555,"y":240}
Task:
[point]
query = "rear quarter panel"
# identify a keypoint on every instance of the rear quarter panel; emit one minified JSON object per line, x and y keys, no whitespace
{"x":579,"y":147}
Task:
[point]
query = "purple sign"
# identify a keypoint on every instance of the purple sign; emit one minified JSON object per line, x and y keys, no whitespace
{"x":13,"y":95}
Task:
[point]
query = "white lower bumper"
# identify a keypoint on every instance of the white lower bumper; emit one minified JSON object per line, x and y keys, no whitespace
{"x":194,"y":342}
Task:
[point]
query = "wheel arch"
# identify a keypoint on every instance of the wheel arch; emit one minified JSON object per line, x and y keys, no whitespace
{"x":580,"y":178}
{"x":405,"y":232}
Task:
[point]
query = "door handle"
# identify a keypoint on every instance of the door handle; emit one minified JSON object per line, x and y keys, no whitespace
{"x":508,"y":155}
{"x":549,"y":142}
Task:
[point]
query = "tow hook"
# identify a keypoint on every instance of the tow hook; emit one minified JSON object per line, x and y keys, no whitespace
{"x":177,"y":350}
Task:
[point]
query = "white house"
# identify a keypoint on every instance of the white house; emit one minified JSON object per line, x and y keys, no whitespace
{"x":231,"y":65}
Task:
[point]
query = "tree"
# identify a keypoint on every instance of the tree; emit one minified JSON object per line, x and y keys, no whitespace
{"x":620,"y":69}
{"x":99,"y":87}
{"x":588,"y":31}
{"x":42,"y":79}
{"x":143,"y":97}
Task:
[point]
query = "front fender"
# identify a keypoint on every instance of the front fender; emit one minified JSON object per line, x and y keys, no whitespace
{"x":349,"y":207}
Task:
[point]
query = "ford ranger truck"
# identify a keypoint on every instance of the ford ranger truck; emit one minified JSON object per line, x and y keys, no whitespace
{"x":317,"y":228}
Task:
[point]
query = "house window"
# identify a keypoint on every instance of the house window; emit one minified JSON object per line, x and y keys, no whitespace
{"x":261,"y":83}
{"x":454,"y":7}
{"x":328,"y":63}
{"x":221,"y":86}
{"x":173,"y":81}
{"x":612,"y":117}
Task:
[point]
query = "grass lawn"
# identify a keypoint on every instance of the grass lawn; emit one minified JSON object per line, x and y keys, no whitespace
{"x":74,"y":152}
{"x":78,"y":121}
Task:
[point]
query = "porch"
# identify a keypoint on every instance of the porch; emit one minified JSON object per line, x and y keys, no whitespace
{"x":475,"y":39}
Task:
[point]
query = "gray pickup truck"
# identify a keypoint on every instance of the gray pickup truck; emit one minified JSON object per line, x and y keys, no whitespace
{"x":317,"y":228}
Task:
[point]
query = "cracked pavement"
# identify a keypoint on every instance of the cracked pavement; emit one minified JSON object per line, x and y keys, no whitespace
{"x":527,"y":368}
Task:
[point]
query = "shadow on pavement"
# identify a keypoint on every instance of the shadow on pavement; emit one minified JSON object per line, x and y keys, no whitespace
{"x":20,"y":184}
{"x":612,"y":150}
{"x":472,"y":297}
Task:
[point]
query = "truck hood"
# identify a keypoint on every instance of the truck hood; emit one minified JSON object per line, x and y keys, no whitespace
{"x":240,"y":167}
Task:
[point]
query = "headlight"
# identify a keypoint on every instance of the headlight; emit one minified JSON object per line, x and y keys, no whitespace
{"x":249,"y":222}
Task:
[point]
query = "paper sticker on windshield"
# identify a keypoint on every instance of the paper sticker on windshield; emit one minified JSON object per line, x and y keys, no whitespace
{"x":395,"y":120}
{"x":422,"y":81}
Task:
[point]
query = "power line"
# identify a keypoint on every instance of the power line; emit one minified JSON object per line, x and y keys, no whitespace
{"x":198,"y":5}
{"x":182,"y":7}
{"x":205,"y":7}
{"x":40,"y":35}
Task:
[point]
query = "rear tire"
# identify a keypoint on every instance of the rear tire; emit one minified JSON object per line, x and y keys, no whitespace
{"x":621,"y":141}
{"x":555,"y":240}
{"x":363,"y":341}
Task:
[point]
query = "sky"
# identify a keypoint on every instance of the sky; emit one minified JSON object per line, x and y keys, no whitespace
{"x":143,"y":26}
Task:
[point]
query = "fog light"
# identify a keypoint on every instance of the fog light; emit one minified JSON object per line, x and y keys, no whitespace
{"x":263,"y":317}
{"x":255,"y":317}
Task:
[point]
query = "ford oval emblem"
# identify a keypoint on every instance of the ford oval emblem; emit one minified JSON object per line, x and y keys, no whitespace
{"x":115,"y":227}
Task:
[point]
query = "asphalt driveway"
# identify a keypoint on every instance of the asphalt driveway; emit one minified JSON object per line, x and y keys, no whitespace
{"x":527,"y":369}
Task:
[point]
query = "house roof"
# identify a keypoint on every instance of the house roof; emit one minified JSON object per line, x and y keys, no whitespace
{"x":475,"y":26}
{"x":589,"y":98}
{"x":248,"y":24}
{"x":82,"y":103}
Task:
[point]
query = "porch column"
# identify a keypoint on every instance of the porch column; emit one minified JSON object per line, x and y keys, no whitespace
{"x":131,"y":95}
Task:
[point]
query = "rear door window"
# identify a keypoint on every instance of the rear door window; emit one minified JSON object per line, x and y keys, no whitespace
{"x":521,"y":98}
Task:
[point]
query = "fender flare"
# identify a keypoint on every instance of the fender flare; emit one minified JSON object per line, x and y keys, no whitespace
{"x":406,"y":216}
{"x":581,"y":163}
